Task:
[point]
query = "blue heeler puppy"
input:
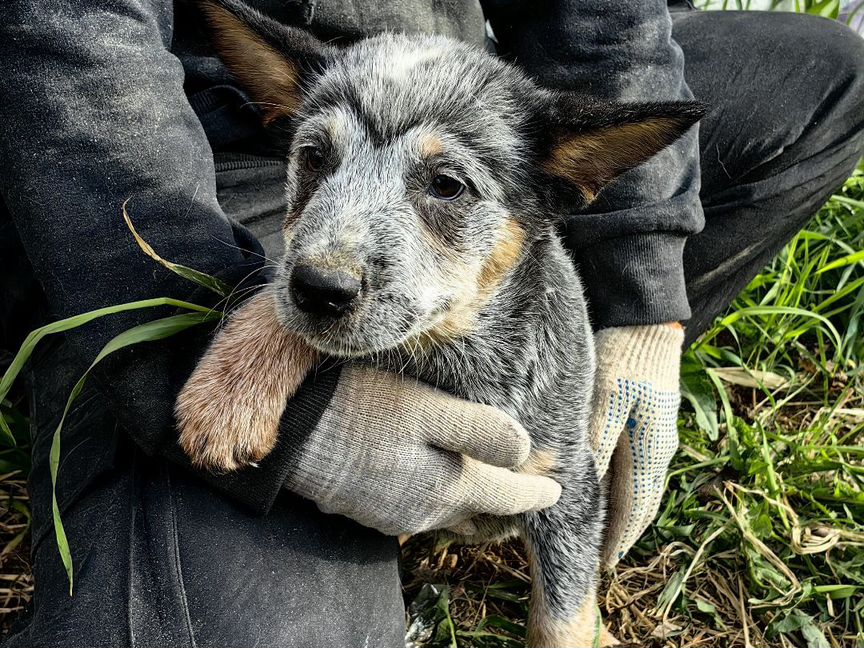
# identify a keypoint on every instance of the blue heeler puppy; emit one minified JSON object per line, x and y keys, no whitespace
{"x":424,"y":181}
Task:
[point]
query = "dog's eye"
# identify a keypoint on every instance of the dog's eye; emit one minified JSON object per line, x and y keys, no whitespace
{"x":314,"y":157}
{"x":445,"y":187}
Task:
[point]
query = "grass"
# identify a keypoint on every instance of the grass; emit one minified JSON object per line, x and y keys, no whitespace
{"x":16,"y":585}
{"x":760,"y":539}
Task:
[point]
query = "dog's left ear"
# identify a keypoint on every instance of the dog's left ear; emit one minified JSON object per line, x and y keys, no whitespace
{"x":271,"y":61}
{"x":589,"y":144}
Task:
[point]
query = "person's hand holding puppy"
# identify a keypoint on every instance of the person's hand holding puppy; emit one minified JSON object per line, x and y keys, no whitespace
{"x":389,"y":452}
{"x":634,"y":425}
{"x":402,"y":457}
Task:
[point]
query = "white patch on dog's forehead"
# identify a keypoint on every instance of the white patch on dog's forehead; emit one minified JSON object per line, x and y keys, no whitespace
{"x":428,"y":298}
{"x":399,"y":67}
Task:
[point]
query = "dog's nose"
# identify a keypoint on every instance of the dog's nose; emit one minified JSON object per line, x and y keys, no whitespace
{"x":323,"y":292}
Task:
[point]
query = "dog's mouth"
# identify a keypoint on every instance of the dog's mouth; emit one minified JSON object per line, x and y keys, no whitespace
{"x":372,"y":326}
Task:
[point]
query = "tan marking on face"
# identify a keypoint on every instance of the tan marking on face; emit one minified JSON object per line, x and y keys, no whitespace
{"x":229,"y":410}
{"x":430,"y":145}
{"x":507,"y":252}
{"x":540,"y":462}
{"x":335,"y":127}
{"x":459,"y":322}
{"x":271,"y":79}
{"x":472,"y":288}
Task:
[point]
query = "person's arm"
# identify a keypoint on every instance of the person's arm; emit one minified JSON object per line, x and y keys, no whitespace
{"x":629,"y":243}
{"x":93,"y":113}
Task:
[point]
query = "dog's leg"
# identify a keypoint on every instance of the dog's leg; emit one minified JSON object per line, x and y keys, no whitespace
{"x":563,"y":545}
{"x":229,"y":410}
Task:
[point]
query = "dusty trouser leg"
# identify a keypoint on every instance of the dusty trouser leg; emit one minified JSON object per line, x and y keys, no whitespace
{"x":162,"y":560}
{"x":784,"y":130}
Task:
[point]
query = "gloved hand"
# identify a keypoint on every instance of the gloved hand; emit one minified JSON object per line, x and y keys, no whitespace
{"x":634,"y":424}
{"x":402,"y":457}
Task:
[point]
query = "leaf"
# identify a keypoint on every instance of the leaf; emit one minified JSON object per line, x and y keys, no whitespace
{"x":598,"y":627}
{"x":501,"y":623}
{"x":697,"y":389}
{"x":825,"y":8}
{"x":705,"y":606}
{"x":814,"y":636}
{"x":751,"y":378}
{"x":837,"y":592}
{"x":202,"y":279}
{"x":767,"y":311}
{"x":425,"y":613}
{"x":672,"y":590}
{"x":792,"y":622}
{"x":851,"y":259}
{"x":6,"y":430}
{"x":149,"y":332}
{"x":731,"y":430}
{"x":19,"y":537}
{"x":16,"y":423}
{"x":666,"y":629}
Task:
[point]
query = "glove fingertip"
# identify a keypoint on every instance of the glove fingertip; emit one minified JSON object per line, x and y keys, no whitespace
{"x":520,"y":450}
{"x":512,"y":440}
{"x":547,"y":492}
{"x":554,"y":493}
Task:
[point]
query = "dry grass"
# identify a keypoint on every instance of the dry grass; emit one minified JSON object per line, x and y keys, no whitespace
{"x":16,"y":584}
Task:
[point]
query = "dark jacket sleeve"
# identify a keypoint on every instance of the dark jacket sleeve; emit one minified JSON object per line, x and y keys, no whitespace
{"x":629,"y":243}
{"x":93,"y":112}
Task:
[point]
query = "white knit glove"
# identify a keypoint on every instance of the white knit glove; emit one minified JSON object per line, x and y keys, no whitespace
{"x":402,"y":457}
{"x":634,"y":424}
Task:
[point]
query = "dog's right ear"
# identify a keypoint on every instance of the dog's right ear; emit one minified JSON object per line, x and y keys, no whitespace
{"x":588,"y":144}
{"x":271,"y":61}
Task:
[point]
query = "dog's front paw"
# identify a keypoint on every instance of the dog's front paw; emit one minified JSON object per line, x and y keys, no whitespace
{"x":228,"y":412}
{"x":222,"y":437}
{"x":222,"y":429}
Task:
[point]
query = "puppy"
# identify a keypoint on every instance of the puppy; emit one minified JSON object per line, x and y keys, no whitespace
{"x":425,"y":179}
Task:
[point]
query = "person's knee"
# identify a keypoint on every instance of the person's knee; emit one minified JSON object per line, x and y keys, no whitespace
{"x":834,"y":42}
{"x":785,"y":88}
{"x":840,"y":51}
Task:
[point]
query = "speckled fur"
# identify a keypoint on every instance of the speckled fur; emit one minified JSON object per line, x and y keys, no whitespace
{"x":477,"y":295}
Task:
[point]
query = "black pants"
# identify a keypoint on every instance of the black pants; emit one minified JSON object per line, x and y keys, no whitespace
{"x":162,"y":561}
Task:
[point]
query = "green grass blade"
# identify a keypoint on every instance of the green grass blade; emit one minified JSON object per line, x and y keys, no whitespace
{"x":6,"y":430}
{"x":859,"y":204}
{"x":149,"y":332}
{"x":202,"y":279}
{"x":761,"y":311}
{"x":598,"y":626}
{"x":59,"y":326}
{"x":16,"y":541}
{"x":851,"y":259}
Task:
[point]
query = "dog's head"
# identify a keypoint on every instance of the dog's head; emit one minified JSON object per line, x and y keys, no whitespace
{"x":419,"y":170}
